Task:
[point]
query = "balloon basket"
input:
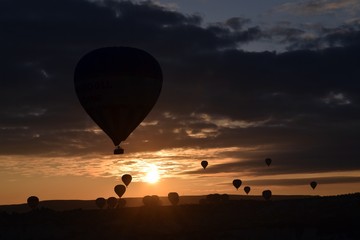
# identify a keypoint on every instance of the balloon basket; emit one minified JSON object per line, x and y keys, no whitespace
{"x":118,"y":150}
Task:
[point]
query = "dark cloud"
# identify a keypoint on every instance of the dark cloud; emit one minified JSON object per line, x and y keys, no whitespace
{"x":237,"y":23}
{"x":302,"y":181}
{"x":314,"y":7}
{"x":315,"y":36}
{"x":303,"y":102}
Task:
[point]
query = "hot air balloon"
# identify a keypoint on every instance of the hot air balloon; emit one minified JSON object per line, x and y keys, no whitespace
{"x":151,"y":201}
{"x":118,"y":87}
{"x":33,"y":202}
{"x":121,"y":203}
{"x":173,"y":198}
{"x":313,"y":184}
{"x":247,"y":189}
{"x":126,"y":178}
{"x":120,"y":190}
{"x":268,"y":161}
{"x":237,"y":183}
{"x":111,"y":202}
{"x":100,"y":202}
{"x":266,"y":194}
{"x":204,"y":164}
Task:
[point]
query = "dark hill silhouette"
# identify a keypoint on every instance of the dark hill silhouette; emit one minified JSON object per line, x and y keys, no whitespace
{"x":62,"y":205}
{"x":334,"y":217}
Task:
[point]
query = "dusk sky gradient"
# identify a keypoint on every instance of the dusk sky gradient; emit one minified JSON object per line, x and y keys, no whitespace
{"x":242,"y":81}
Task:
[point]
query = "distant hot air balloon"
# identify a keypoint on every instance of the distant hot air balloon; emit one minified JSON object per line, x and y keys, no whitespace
{"x":151,"y":201}
{"x":121,"y":203}
{"x":247,"y":189}
{"x":118,"y":87}
{"x":111,"y":202}
{"x":100,"y":202}
{"x":173,"y":198}
{"x":33,"y":202}
{"x":266,"y":194}
{"x":204,"y":164}
{"x":237,"y":183}
{"x":147,"y":200}
{"x":313,"y":184}
{"x":268,"y":161}
{"x":126,"y":178}
{"x":120,"y":190}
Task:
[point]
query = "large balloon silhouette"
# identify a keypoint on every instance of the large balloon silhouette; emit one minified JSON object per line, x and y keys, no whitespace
{"x":126,"y":178}
{"x":247,"y":189}
{"x":266,"y":194}
{"x":313,"y":184}
{"x":173,"y":198}
{"x":268,"y":161}
{"x":204,"y":164}
{"x":120,"y":190}
{"x":33,"y":202}
{"x":237,"y":183}
{"x":100,"y":202}
{"x":118,"y":87}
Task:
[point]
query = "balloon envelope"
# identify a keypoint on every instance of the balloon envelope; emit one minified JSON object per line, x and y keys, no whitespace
{"x":111,"y":202}
{"x":121,"y":203}
{"x":237,"y":183}
{"x":100,"y":202}
{"x":151,"y":201}
{"x":247,"y":189}
{"x":126,"y":178}
{"x":313,"y":184}
{"x":204,"y":164}
{"x":33,"y":202}
{"x":268,"y":161}
{"x":118,"y":87}
{"x":173,"y":198}
{"x":120,"y":190}
{"x":266,"y":194}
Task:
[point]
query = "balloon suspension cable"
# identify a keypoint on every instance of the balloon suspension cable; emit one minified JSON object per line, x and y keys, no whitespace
{"x":118,"y":150}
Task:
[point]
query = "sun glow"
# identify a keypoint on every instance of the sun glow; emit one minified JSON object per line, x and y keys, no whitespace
{"x":152,"y":175}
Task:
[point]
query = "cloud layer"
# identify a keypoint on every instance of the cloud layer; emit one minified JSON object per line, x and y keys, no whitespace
{"x":299,"y":107}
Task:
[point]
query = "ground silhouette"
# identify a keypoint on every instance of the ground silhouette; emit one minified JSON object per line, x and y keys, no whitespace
{"x":334,"y":217}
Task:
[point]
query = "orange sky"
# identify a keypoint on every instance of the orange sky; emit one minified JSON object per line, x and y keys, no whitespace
{"x":92,"y":177}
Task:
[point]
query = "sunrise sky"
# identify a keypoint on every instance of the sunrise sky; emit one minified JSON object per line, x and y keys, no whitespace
{"x":242,"y":81}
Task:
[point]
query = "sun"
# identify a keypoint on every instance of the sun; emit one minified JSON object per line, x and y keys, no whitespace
{"x":152,"y":175}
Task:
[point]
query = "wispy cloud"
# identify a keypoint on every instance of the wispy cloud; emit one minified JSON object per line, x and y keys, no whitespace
{"x":313,"y":7}
{"x":225,"y":122}
{"x":170,"y":162}
{"x":336,"y":99}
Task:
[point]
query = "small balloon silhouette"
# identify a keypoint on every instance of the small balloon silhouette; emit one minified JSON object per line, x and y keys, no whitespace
{"x":313,"y":184}
{"x":100,"y":202}
{"x":121,"y":203}
{"x":266,"y":194}
{"x":204,"y":164}
{"x":268,"y":161}
{"x":173,"y":198}
{"x":237,"y":183}
{"x":33,"y":202}
{"x":126,"y":178}
{"x":247,"y":189}
{"x":120,"y":190}
{"x":151,"y":201}
{"x":111,"y":202}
